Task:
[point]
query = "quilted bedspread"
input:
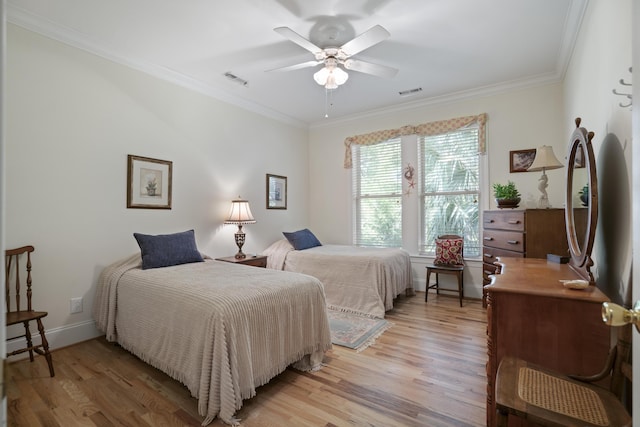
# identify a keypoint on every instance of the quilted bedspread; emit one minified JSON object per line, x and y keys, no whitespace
{"x":221,"y":329}
{"x":356,"y":279}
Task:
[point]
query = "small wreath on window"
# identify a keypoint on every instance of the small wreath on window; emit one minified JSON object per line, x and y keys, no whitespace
{"x":409,"y":172}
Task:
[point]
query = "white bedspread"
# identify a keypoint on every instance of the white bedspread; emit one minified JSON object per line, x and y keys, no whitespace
{"x":221,"y":329}
{"x":355,"y":279}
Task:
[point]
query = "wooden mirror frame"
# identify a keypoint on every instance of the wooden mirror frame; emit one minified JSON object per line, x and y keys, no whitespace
{"x":580,"y":260}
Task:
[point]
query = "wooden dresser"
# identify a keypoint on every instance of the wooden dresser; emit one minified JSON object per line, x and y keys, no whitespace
{"x":532,"y":316}
{"x":525,"y":233}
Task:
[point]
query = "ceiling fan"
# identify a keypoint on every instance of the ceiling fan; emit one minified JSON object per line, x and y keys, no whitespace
{"x":331,"y":76}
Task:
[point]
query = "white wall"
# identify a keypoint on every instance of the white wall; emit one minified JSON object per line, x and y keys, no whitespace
{"x":602,"y":56}
{"x":72,"y":118}
{"x":517,"y":119}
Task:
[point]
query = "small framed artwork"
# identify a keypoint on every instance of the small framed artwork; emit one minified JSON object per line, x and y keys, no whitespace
{"x":276,"y":192}
{"x":148,"y":183}
{"x":520,"y":160}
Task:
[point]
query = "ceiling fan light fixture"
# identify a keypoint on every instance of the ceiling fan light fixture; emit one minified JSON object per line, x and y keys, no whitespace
{"x":340,"y":76}
{"x":331,"y":77}
{"x":321,"y":76}
{"x":331,"y":82}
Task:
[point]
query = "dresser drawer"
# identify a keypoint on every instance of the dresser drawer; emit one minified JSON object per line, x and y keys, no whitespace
{"x":504,"y":220}
{"x":509,"y":240}
{"x":490,"y":254}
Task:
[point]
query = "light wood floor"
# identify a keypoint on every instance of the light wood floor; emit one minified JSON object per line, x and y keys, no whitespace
{"x":427,"y":370}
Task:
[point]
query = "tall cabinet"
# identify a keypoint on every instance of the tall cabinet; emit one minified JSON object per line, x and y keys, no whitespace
{"x":523,"y":233}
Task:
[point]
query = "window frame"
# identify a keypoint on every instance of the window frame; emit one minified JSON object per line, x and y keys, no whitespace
{"x":410,"y":205}
{"x":357,"y":197}
{"x":426,"y":243}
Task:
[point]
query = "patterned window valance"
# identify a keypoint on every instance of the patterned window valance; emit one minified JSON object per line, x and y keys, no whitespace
{"x":432,"y":128}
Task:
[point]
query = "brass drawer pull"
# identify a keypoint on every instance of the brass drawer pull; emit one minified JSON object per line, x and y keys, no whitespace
{"x":512,"y":242}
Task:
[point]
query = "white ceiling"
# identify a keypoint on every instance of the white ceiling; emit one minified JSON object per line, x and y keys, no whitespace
{"x":449,"y":48}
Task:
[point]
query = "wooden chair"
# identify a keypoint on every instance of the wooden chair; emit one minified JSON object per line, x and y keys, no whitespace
{"x":453,"y":269}
{"x":547,"y":398}
{"x":18,"y":313}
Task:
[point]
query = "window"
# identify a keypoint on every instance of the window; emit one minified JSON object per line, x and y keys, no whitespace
{"x":377,"y":191}
{"x":444,"y":200}
{"x":450,"y":183}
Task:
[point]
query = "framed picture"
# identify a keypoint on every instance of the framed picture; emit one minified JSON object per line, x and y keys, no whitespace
{"x":276,"y":192}
{"x":520,"y":160}
{"x":148,"y":183}
{"x":579,"y":159}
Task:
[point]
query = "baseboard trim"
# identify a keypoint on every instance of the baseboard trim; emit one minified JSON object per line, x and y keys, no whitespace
{"x":62,"y":336}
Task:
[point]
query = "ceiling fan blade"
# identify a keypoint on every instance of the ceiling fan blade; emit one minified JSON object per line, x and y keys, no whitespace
{"x":370,"y":68}
{"x":373,"y":35}
{"x":298,"y":66}
{"x":297,"y":39}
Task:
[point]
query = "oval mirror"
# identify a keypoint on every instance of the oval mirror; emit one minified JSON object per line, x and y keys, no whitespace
{"x":581,"y":201}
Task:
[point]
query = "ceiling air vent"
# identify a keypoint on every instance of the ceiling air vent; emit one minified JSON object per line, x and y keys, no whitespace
{"x":410,"y":91}
{"x":235,"y":79}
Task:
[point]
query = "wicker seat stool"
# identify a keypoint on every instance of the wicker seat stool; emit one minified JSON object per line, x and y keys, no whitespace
{"x":541,"y":396}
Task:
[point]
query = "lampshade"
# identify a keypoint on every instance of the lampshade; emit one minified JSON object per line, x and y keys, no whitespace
{"x":331,"y":76}
{"x":240,"y":213}
{"x":544,"y":160}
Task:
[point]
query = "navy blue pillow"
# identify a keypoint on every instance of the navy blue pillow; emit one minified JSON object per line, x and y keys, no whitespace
{"x":302,"y":239}
{"x":165,"y":250}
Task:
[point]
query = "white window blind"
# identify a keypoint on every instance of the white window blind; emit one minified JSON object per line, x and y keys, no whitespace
{"x":377,"y":194}
{"x":450,"y":182}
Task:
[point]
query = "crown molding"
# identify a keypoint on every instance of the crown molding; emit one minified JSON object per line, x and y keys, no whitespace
{"x":572,"y":25}
{"x":47,"y":28}
{"x":484,"y":91}
{"x":68,"y":36}
{"x":573,"y":22}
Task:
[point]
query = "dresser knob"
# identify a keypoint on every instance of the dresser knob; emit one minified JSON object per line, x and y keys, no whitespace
{"x":512,"y":242}
{"x":488,"y":239}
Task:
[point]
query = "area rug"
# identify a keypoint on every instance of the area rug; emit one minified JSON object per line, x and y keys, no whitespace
{"x":353,"y":331}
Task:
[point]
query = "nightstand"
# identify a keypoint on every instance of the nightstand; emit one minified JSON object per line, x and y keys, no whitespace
{"x":255,"y":261}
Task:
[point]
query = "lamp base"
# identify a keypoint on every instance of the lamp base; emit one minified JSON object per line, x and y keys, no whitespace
{"x":240,"y":242}
{"x":543,"y":202}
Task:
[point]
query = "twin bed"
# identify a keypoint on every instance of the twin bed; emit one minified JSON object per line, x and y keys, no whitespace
{"x":359,"y":280}
{"x":223,"y":329}
{"x":220,"y":329}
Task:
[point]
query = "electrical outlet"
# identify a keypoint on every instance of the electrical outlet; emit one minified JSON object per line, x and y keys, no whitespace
{"x":76,"y":305}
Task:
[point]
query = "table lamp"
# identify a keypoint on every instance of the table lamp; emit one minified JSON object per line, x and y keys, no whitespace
{"x":239,"y":215}
{"x":544,"y":160}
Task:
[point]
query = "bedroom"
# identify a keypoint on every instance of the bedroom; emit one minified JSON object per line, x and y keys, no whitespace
{"x":65,"y":178}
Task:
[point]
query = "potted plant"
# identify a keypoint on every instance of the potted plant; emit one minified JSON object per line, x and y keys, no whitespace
{"x":507,"y":195}
{"x":584,"y":195}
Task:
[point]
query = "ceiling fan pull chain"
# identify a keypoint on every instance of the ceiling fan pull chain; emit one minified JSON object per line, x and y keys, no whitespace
{"x":326,"y":103}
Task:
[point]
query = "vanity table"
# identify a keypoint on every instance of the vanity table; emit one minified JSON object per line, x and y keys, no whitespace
{"x":531,"y":315}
